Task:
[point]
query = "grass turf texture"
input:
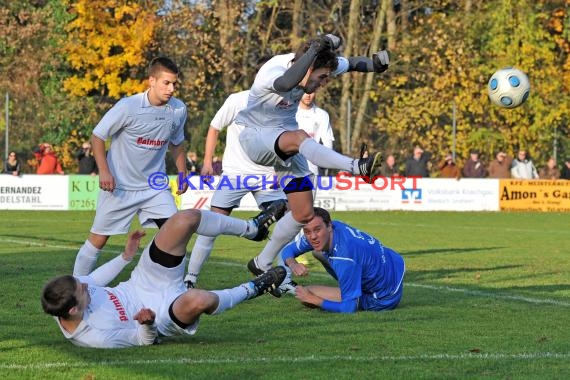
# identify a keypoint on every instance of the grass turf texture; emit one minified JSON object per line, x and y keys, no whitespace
{"x":486,"y":295}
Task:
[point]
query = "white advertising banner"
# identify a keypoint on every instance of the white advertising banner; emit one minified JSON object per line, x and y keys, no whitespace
{"x":199,"y":196}
{"x":344,"y":193}
{"x":441,"y":194}
{"x":340,"y":193}
{"x":34,"y":192}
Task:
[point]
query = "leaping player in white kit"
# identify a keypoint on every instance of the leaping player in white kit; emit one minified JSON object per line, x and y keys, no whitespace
{"x":237,"y":169}
{"x":142,"y":128}
{"x":272,"y":137}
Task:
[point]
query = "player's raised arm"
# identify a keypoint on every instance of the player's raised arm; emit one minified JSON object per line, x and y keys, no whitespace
{"x":377,"y":64}
{"x":111,"y":269}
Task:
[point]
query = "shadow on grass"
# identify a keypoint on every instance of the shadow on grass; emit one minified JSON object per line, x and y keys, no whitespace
{"x":422,"y":275}
{"x":540,"y":288}
{"x":447,"y":250}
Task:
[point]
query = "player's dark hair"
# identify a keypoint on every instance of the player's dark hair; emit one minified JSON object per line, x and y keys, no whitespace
{"x":261,"y":61}
{"x":159,"y":64}
{"x":324,"y":59}
{"x":323,"y":214}
{"x":58,"y":296}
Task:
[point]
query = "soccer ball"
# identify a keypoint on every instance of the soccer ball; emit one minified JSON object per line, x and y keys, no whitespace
{"x":508,"y":87}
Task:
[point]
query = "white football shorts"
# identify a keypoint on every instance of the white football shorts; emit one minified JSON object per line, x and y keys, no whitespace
{"x":116,"y":210}
{"x":157,"y":287}
{"x":232,"y":189}
{"x":259,"y":144}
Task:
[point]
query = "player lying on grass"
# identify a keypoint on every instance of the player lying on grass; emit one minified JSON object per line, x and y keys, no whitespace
{"x":370,"y":276}
{"x":154,"y":302}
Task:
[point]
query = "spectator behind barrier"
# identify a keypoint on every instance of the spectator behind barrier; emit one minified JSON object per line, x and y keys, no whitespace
{"x":474,"y":168}
{"x":47,"y":160}
{"x":192,"y":164}
{"x":417,"y":164}
{"x":500,"y":167}
{"x":522,"y":167}
{"x":389,"y":168}
{"x":12,"y":165}
{"x":87,"y":164}
{"x":565,"y":173}
{"x":217,"y":165}
{"x":448,"y":168}
{"x":549,"y":171}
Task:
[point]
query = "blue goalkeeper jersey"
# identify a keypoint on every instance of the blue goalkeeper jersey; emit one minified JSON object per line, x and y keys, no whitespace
{"x":359,"y":262}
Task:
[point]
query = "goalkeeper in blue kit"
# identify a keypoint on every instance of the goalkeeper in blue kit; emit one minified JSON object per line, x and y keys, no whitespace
{"x":370,"y":276}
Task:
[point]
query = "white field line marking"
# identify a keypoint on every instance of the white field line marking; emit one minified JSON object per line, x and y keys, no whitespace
{"x":300,"y":359}
{"x":424,"y":286}
{"x":490,"y":295}
{"x":45,"y":245}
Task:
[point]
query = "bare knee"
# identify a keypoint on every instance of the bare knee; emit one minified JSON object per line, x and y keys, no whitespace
{"x":194,"y":302}
{"x":98,"y":241}
{"x":186,"y":219}
{"x":304,"y":214}
{"x":290,"y":141}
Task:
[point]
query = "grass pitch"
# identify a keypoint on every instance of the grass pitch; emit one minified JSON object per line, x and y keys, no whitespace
{"x":486,"y":295}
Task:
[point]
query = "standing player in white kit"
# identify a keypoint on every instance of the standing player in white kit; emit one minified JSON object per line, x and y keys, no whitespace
{"x":142,"y":127}
{"x":316,"y":122}
{"x":272,"y":136}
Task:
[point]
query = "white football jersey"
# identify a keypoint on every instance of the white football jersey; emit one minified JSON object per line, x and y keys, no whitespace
{"x":315,"y":121}
{"x":141,"y":134}
{"x":236,"y":161}
{"x":267,"y":108}
{"x":108,"y":322}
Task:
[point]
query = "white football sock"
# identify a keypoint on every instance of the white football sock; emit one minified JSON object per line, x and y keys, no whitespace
{"x":200,"y":253}
{"x":214,"y":224}
{"x":324,"y":157}
{"x":86,"y":259}
{"x":228,"y":298}
{"x":284,"y":231}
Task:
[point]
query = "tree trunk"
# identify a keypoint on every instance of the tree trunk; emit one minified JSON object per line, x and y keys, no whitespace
{"x":404,"y":14}
{"x":390,"y":24}
{"x":269,"y":27}
{"x":353,"y":30}
{"x":371,"y":77}
{"x":297,"y":23}
{"x":225,"y":13}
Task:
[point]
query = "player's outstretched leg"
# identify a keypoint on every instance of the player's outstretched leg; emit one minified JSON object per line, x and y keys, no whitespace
{"x":188,"y":307}
{"x":327,"y":158}
{"x":268,"y":281}
{"x":228,"y":298}
{"x":267,"y":217}
{"x":369,"y":164}
{"x":257,"y":229}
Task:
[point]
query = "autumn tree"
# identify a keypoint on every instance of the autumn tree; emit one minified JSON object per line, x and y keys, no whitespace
{"x":32,"y":69}
{"x":443,"y":64}
{"x":106,"y":45}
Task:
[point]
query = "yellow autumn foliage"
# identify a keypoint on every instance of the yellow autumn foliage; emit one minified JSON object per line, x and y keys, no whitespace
{"x":106,"y":45}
